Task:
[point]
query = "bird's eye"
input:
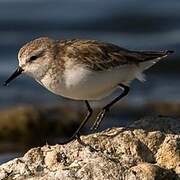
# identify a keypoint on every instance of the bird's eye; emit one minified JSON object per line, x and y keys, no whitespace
{"x":32,"y":58}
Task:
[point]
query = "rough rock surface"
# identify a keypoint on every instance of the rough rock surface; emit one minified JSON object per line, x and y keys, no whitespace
{"x":148,"y":149}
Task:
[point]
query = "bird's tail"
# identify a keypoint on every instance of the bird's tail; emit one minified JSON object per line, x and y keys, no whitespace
{"x":150,"y":58}
{"x":153,"y":55}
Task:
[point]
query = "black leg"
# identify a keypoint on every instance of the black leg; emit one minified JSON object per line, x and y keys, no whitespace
{"x":76,"y":134}
{"x":106,"y":108}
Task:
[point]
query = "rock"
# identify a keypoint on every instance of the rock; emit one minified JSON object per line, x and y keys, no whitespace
{"x":148,"y":149}
{"x":148,"y":171}
{"x":168,"y":155}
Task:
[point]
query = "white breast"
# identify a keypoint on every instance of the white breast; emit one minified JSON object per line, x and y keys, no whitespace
{"x":82,"y":84}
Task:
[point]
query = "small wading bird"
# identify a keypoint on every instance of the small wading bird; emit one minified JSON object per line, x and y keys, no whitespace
{"x":84,"y":69}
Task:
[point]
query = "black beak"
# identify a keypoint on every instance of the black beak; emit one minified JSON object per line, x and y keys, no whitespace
{"x":18,"y":71}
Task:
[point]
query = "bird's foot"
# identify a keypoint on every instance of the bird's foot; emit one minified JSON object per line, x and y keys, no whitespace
{"x":80,"y":141}
{"x":68,"y":140}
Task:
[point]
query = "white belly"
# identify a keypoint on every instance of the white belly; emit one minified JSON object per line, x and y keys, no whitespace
{"x":83,"y":84}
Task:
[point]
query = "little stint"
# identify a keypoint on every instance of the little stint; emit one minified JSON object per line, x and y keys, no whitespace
{"x":84,"y":69}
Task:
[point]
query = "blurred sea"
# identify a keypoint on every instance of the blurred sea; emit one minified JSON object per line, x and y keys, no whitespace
{"x":137,"y":25}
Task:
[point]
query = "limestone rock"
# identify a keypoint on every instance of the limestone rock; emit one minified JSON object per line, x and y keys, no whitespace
{"x":148,"y":149}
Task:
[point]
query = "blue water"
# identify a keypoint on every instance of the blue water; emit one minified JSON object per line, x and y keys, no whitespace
{"x":136,"y":25}
{"x":145,"y":25}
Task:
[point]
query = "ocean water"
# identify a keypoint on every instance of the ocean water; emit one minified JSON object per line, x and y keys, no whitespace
{"x":128,"y":23}
{"x":138,"y":25}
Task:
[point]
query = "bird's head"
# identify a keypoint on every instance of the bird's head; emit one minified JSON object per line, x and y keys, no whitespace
{"x":34,"y":58}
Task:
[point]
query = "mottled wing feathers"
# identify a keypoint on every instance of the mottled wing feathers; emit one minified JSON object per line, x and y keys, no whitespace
{"x":101,"y":56}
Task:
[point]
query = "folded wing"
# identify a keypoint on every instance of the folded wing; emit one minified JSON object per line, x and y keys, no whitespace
{"x":101,"y":56}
